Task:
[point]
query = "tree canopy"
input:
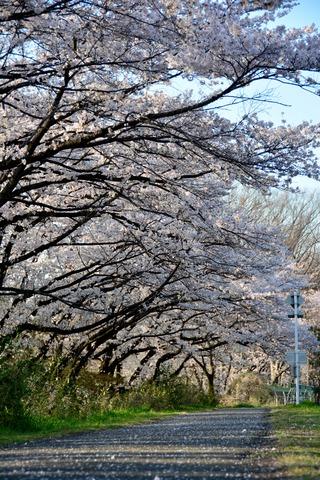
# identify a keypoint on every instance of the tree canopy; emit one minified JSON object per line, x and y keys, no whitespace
{"x":115,"y":221}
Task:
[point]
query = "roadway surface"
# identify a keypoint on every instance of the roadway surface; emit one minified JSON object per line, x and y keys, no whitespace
{"x":222,"y":444}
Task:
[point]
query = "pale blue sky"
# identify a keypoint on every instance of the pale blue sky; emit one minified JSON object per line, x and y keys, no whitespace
{"x":304,"y":106}
{"x":307,"y":12}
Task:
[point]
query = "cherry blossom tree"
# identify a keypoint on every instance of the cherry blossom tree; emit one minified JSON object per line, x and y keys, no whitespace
{"x":113,"y":187}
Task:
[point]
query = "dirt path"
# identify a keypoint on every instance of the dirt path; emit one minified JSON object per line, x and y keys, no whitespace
{"x":223,"y":444}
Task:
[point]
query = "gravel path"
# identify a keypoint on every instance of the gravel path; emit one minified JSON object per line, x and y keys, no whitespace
{"x":222,"y":444}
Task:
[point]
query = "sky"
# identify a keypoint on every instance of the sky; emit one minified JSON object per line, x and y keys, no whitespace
{"x":301,"y":105}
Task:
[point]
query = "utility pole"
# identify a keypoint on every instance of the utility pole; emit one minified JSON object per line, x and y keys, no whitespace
{"x":297,"y":357}
{"x":296,"y":347}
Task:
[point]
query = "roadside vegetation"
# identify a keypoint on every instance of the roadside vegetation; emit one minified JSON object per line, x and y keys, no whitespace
{"x":298,"y":432}
{"x":45,"y":426}
{"x":36,"y":403}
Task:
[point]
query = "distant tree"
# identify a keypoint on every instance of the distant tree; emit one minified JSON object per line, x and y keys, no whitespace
{"x":297,"y":216}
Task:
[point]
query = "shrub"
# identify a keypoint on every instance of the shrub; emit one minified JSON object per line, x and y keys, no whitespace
{"x":13,"y":389}
{"x":32,"y":392}
{"x":166,"y":393}
{"x":248,"y":388}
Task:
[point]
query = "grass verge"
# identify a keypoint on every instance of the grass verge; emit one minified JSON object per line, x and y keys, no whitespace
{"x":43,"y":427}
{"x":298,"y":432}
{"x":50,"y":426}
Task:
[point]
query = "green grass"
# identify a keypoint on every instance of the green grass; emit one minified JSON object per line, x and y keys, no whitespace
{"x":43,"y":427}
{"x":298,"y":432}
{"x":51,"y":426}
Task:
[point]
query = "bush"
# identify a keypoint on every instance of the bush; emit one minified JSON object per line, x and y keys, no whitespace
{"x":13,"y":389}
{"x":51,"y":395}
{"x":27,"y":392}
{"x":248,"y":388}
{"x":32,"y":392}
{"x":166,"y":393}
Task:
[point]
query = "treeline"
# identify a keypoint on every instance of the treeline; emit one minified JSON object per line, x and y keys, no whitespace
{"x":120,"y":246}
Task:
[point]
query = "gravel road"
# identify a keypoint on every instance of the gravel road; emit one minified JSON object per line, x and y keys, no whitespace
{"x":222,"y":444}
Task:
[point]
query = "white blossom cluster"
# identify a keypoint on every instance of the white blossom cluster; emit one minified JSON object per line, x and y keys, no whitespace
{"x":116,"y":229}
